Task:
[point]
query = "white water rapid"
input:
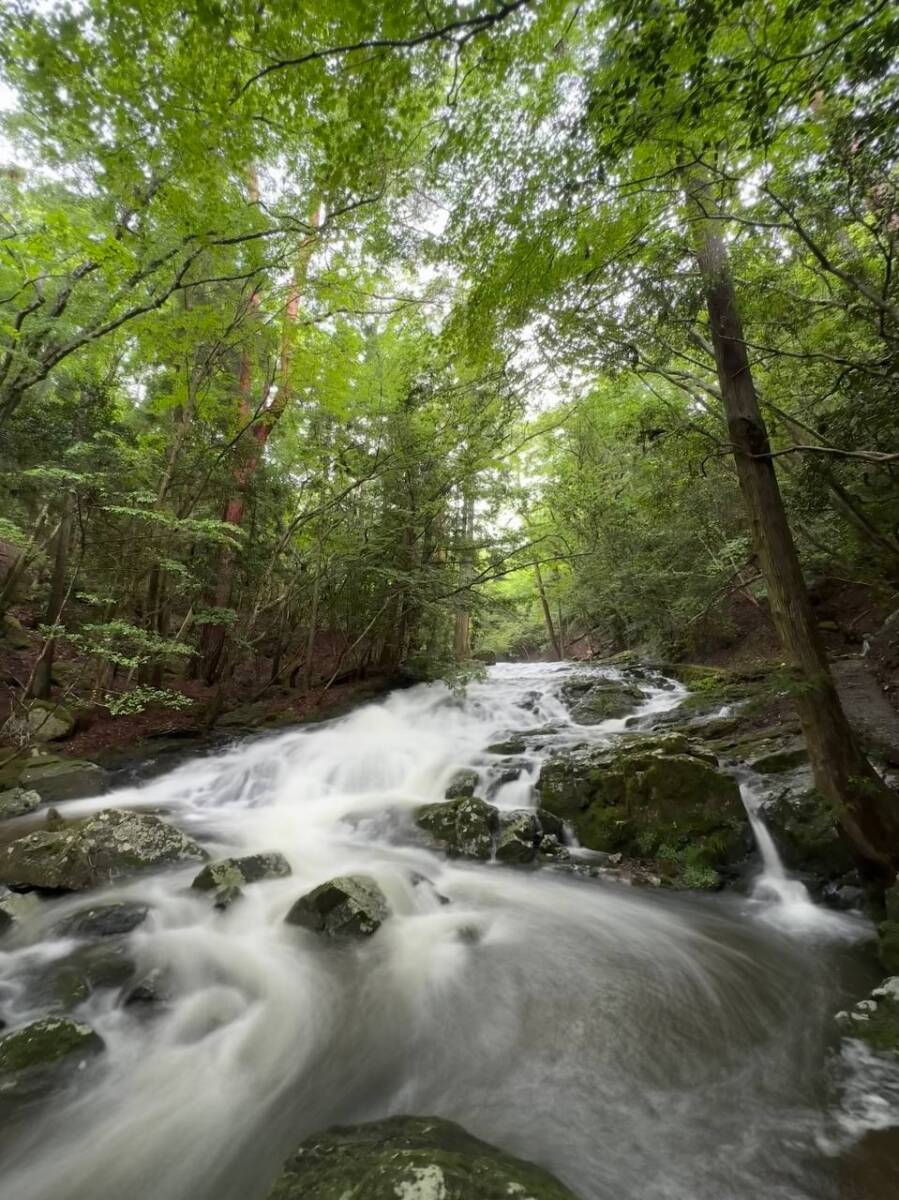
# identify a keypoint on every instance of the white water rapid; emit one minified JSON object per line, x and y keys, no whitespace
{"x":641,"y":1044}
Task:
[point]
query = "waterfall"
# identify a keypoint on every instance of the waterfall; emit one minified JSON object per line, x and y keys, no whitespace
{"x":637,"y":1042}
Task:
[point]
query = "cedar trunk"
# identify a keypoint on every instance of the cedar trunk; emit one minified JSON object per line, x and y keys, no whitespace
{"x":868,"y":811}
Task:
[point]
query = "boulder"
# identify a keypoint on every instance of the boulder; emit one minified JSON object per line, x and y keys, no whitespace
{"x":48,"y":722}
{"x":151,"y":990}
{"x":462,"y":828}
{"x":655,"y":799}
{"x":518,"y":838}
{"x":94,"y":850}
{"x":416,"y":1158}
{"x":779,"y":761}
{"x":888,"y":946}
{"x":349,"y":906}
{"x":104,"y":920}
{"x":806,"y":831}
{"x":235,"y":873}
{"x":605,"y":702}
{"x":514,"y":744}
{"x":55,"y":778}
{"x":18,"y":802}
{"x":45,"y":1042}
{"x":69,"y":981}
{"x":15,"y":907}
{"x":463,"y":783}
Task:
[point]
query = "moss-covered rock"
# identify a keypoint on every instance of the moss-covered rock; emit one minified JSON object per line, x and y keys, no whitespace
{"x":44,"y":1042}
{"x":605,"y":702}
{"x":410,"y":1158}
{"x":514,"y":744}
{"x":235,"y":873}
{"x":463,"y":783}
{"x":807,"y":833}
{"x":462,"y":828}
{"x":779,"y":761}
{"x":888,"y":946}
{"x":85,"y":853}
{"x":349,"y":906}
{"x":53,"y":777}
{"x":18,"y":802}
{"x":657,"y":799}
{"x":103,"y":920}
{"x":48,"y":722}
{"x":69,"y":981}
{"x":518,"y":838}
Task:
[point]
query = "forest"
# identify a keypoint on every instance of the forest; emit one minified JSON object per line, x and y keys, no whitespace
{"x":383,"y":358}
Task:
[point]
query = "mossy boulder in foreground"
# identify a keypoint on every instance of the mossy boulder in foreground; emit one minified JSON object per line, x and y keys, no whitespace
{"x":350,"y":906}
{"x":34,"y":1059}
{"x":410,"y":1158}
{"x":656,"y":798}
{"x":86,"y":853}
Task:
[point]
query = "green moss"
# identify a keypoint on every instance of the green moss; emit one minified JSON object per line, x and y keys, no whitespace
{"x":45,"y":1042}
{"x":888,"y":946}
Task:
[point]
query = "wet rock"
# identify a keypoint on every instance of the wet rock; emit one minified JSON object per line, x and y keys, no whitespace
{"x":462,"y":828}
{"x":511,"y":745}
{"x":891,"y":902}
{"x":15,"y":908}
{"x":223,"y":897}
{"x":519,"y":834}
{"x":238,"y":872}
{"x":805,"y":829}
{"x":70,"y":981}
{"x":151,"y":990}
{"x":875,"y":1019}
{"x":552,"y":850}
{"x":105,"y":920}
{"x":605,"y":702}
{"x":655,"y":800}
{"x":18,"y":802}
{"x":843,"y":896}
{"x":27,"y":1053}
{"x":779,"y":761}
{"x":349,"y":906}
{"x":462,"y":784}
{"x":108,"y":845}
{"x":48,"y":722}
{"x":410,"y":1158}
{"x":55,"y":778}
{"x":888,"y":946}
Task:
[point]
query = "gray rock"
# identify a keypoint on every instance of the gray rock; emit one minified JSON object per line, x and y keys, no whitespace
{"x":349,"y":906}
{"x":463,"y":828}
{"x":153,"y":989}
{"x":18,"y":802}
{"x":237,"y":872}
{"x":105,"y":920}
{"x":44,"y":1042}
{"x":15,"y":907}
{"x":519,"y":833}
{"x":69,"y":981}
{"x":56,"y":779}
{"x":606,"y":701}
{"x":462,"y":784}
{"x":511,"y":745}
{"x":419,"y":1158}
{"x":226,"y":895}
{"x":48,"y":722}
{"x":82,"y":854}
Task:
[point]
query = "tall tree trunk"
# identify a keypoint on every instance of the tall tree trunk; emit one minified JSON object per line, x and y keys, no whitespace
{"x":42,"y":677}
{"x":251,"y":446}
{"x":868,"y":811}
{"x":547,"y":612}
{"x":462,"y":638}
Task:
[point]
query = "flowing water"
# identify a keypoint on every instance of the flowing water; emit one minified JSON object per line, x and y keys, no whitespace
{"x":644,"y":1045}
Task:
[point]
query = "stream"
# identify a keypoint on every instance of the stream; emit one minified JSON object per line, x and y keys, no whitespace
{"x":642,"y":1044}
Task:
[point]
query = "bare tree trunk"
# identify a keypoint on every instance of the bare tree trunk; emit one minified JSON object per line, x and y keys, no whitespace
{"x":547,"y":612}
{"x":462,"y":639}
{"x":868,"y":812}
{"x":42,"y":678}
